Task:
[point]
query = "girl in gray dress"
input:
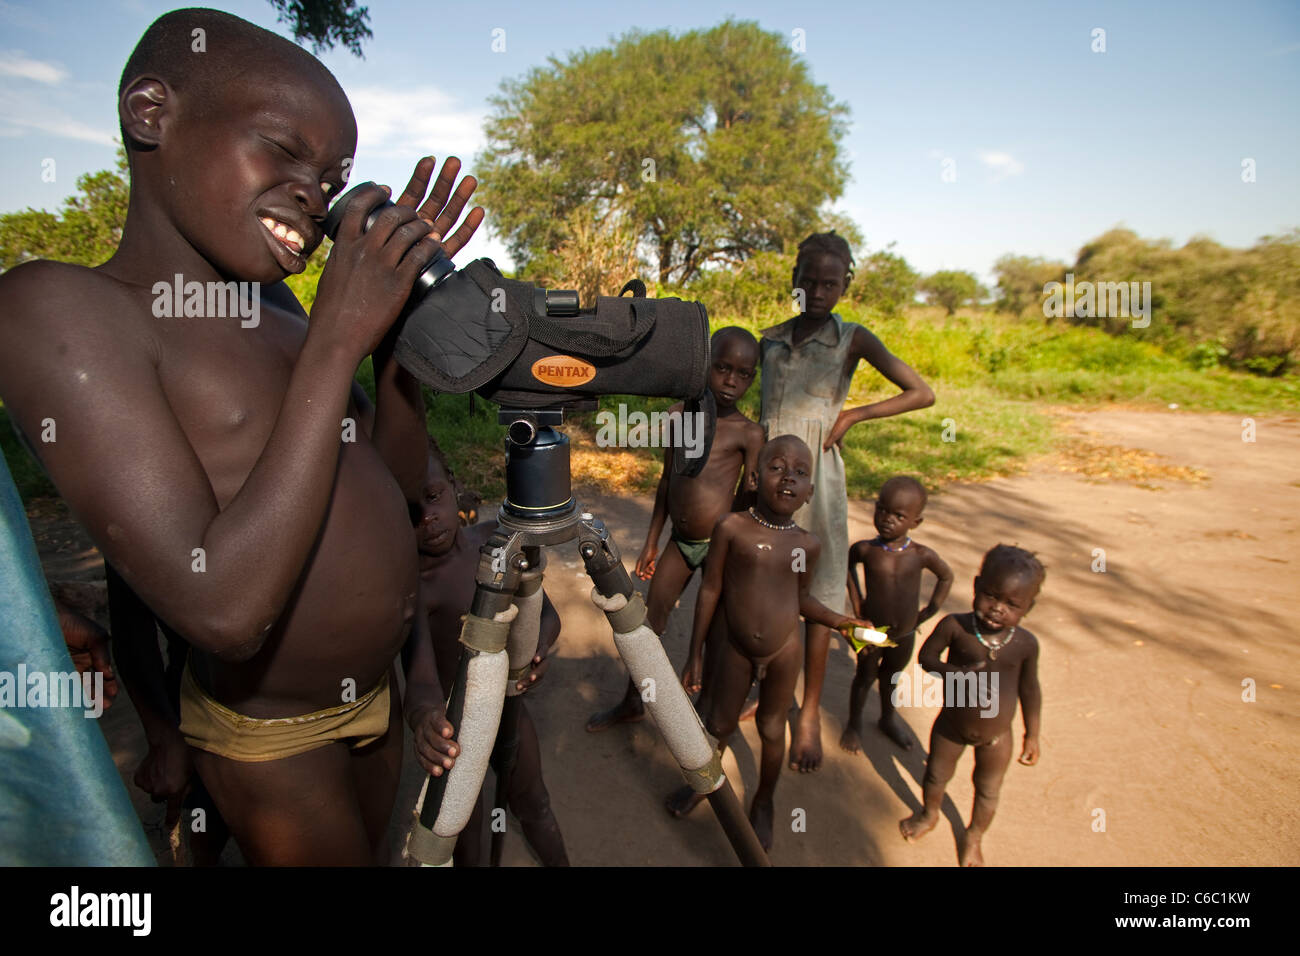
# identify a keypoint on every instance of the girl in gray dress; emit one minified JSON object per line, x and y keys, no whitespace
{"x":808,"y":362}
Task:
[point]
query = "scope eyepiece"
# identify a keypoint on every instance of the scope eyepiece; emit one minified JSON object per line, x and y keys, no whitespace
{"x":430,"y":277}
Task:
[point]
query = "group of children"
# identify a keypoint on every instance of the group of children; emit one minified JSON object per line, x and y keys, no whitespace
{"x":204,"y":458}
{"x":760,"y":567}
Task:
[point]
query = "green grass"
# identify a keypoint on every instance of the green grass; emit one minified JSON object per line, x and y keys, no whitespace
{"x":994,"y":378}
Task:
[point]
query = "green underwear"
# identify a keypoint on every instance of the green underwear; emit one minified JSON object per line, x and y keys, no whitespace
{"x":693,"y":552}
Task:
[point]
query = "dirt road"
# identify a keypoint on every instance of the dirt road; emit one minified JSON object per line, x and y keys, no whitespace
{"x":1151,"y":753}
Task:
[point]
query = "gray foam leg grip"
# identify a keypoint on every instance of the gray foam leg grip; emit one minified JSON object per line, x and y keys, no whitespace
{"x":671,"y":709}
{"x":524,"y":633}
{"x":485,"y":684}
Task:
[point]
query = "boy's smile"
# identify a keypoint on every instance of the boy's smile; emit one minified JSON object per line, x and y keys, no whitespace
{"x":274,"y":173}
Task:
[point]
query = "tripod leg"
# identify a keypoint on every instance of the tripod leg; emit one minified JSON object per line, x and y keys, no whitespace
{"x":521,"y":647}
{"x":643,"y":655}
{"x":503,"y":762}
{"x":474,"y":707}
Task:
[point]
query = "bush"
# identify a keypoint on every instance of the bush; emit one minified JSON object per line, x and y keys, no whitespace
{"x":1210,"y":303}
{"x":884,"y":283}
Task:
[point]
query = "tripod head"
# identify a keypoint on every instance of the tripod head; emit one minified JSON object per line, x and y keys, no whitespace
{"x":538,"y":486}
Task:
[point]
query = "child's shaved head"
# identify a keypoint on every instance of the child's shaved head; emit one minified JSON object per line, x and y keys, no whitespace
{"x":1010,"y":560}
{"x":904,"y":483}
{"x":200,"y":65}
{"x":782,"y":443}
{"x":732,"y":334}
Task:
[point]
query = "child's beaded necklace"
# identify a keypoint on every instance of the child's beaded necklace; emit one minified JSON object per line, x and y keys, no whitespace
{"x":767,"y":524}
{"x":993,"y":648}
{"x":880,"y":543}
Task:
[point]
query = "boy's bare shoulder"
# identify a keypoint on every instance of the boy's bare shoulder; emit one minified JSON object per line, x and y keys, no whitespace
{"x":41,"y":299}
{"x":925,"y":551}
{"x":44,"y":280}
{"x":730,"y":523}
{"x":56,"y":317}
{"x":1028,"y":636}
{"x":947,"y":622}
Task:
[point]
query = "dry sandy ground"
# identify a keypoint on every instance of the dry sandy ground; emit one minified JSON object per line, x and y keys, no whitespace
{"x":1142,"y":667}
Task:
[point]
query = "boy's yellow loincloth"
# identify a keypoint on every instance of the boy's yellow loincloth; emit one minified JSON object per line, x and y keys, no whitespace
{"x":209,"y":725}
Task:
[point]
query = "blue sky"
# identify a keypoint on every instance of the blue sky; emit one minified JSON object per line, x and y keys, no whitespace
{"x":1051,"y":142}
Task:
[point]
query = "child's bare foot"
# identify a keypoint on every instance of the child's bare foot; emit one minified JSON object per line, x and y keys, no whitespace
{"x":760,"y":818}
{"x":682,"y":801}
{"x":917,"y":825}
{"x":627,"y":711}
{"x":850,"y":740}
{"x":806,"y":748}
{"x":893,"y":727}
{"x":971,"y":853}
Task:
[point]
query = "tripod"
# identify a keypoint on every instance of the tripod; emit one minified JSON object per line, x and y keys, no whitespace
{"x":499,"y":640}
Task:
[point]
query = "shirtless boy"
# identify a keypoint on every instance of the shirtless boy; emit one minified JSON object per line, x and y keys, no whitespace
{"x":759,"y":568}
{"x":207,"y":457}
{"x":892,"y":564}
{"x":990,"y":646}
{"x":695,"y":504}
{"x":449,"y":556}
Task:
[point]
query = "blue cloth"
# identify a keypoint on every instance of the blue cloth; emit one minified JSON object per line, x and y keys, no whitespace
{"x":62,"y":802}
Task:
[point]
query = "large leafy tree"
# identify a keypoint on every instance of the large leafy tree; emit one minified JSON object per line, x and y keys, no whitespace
{"x":323,"y":23}
{"x":85,"y":231}
{"x":709,"y":146}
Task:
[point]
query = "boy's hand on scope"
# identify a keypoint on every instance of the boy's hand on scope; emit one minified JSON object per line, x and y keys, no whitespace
{"x":645,"y":562}
{"x":1029,"y":755}
{"x":443,"y":207}
{"x":693,"y":674}
{"x":369,"y":275}
{"x":434,"y":747}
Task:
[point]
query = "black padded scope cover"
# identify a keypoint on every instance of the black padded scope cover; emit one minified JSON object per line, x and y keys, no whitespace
{"x":479,"y":331}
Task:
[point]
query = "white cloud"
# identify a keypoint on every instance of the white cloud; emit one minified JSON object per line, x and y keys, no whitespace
{"x":1002,"y":164}
{"x":410,"y":123}
{"x":22,"y":112}
{"x":16,"y":63}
